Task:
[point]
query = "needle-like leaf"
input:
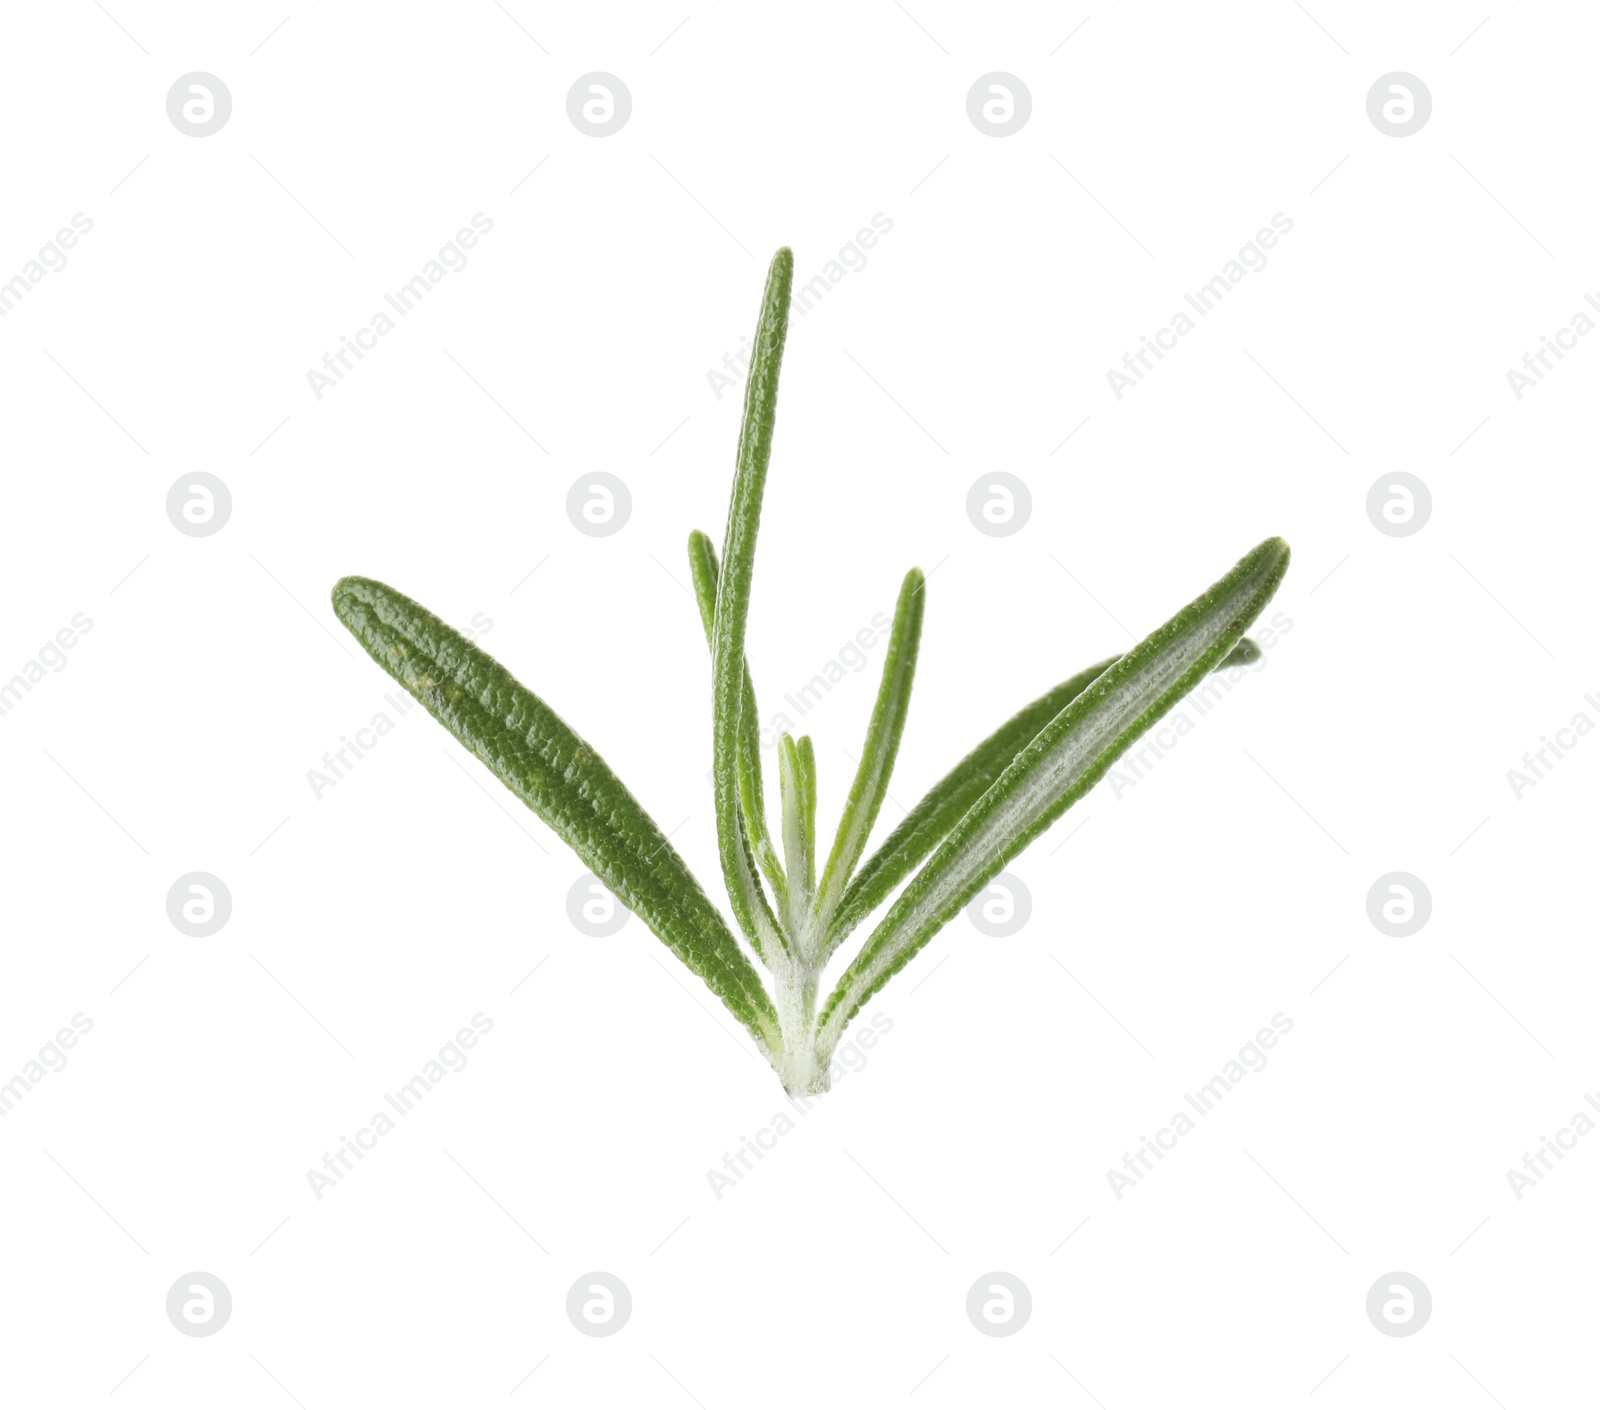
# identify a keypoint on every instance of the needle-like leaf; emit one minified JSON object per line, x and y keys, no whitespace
{"x":878,"y":753}
{"x":1060,"y":765}
{"x":733,"y":609}
{"x":806,"y":756}
{"x":942,"y":807}
{"x":798,"y":783}
{"x":752,"y":805}
{"x":531,"y":750}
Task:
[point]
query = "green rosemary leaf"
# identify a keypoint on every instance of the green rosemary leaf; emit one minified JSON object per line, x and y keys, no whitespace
{"x":806,"y":756}
{"x":752,"y":804}
{"x":942,"y":807}
{"x":798,"y":786}
{"x":733,"y":608}
{"x":1060,"y":765}
{"x":878,"y":753}
{"x":557,"y":774}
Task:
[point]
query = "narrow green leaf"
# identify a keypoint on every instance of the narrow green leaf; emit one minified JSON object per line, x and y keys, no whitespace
{"x":531,"y":750}
{"x":807,"y":758}
{"x":798,"y":784}
{"x":1060,"y":765}
{"x":942,"y":807}
{"x":703,"y":569}
{"x":878,"y":753}
{"x":733,"y":608}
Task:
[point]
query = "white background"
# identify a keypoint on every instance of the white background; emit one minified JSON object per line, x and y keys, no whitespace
{"x":1227,"y":886}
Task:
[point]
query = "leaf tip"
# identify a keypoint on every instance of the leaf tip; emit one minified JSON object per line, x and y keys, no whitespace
{"x":780,"y":279}
{"x":1268,"y":561}
{"x":349,"y":593}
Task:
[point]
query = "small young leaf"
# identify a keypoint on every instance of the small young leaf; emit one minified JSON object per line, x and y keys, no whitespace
{"x":807,"y":758}
{"x":798,"y":783}
{"x":753,"y":808}
{"x":878,"y":753}
{"x":733,"y":609}
{"x":1060,"y":765}
{"x":531,"y":750}
{"x":942,"y":807}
